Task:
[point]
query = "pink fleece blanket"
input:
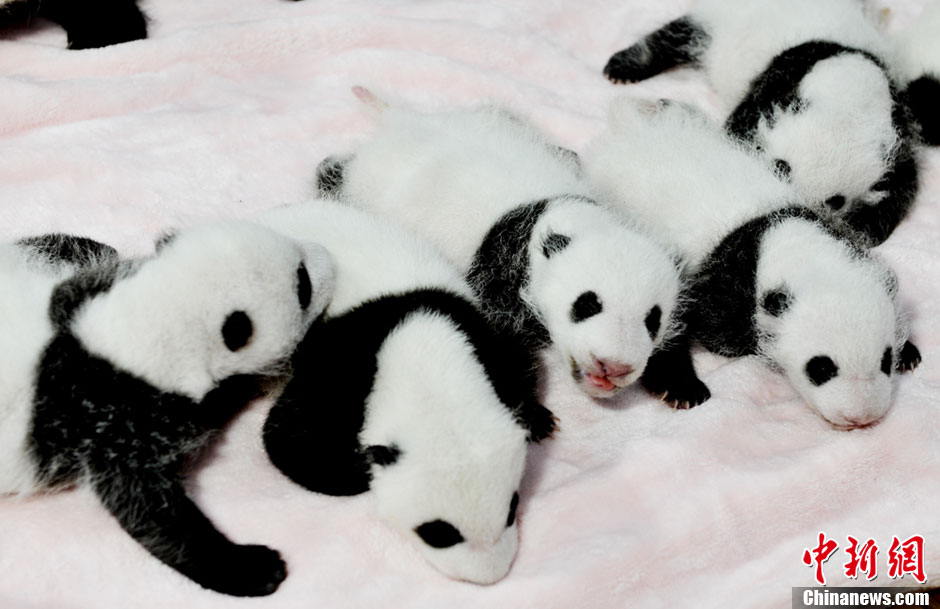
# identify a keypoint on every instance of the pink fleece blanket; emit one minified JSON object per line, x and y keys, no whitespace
{"x":226,"y":110}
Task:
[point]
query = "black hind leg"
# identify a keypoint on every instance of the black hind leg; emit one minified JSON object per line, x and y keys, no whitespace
{"x":96,"y":23}
{"x":156,"y":512}
{"x":909,"y":358}
{"x":670,"y":375}
{"x":679,"y":42}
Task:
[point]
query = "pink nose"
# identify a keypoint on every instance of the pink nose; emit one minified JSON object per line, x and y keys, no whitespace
{"x":613,"y":369}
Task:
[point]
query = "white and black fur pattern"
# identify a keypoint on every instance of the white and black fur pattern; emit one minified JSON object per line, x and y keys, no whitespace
{"x":810,"y":89}
{"x":768,"y":278}
{"x":511,"y":209}
{"x":88,"y":23}
{"x":130,"y":366}
{"x":406,"y":390}
{"x":916,"y":56}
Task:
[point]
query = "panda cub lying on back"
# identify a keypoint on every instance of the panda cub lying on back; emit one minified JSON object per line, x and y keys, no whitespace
{"x":115,"y":372}
{"x":810,"y":91}
{"x":767,"y":278}
{"x":550,"y":265}
{"x":405,"y":390}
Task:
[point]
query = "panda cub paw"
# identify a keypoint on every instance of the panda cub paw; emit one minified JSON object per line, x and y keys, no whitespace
{"x":249,"y":570}
{"x":629,"y":65}
{"x":909,"y":358}
{"x":679,"y":390}
{"x":542,"y":423}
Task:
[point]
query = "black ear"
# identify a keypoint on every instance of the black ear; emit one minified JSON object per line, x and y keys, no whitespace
{"x":554,"y":243}
{"x":776,"y":302}
{"x":237,"y":330}
{"x":383,"y":455}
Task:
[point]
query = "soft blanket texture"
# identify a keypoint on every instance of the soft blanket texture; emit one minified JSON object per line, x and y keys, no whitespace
{"x":226,"y":110}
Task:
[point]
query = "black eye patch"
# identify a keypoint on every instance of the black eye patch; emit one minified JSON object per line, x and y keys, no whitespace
{"x":554,"y":243}
{"x":587,"y":305}
{"x":776,"y":302}
{"x":439,"y":534}
{"x":304,"y":289}
{"x":886,"y":361}
{"x":821,"y":369}
{"x":653,"y":321}
{"x":512,"y":510}
{"x":783,"y":169}
{"x":237,"y":330}
{"x":383,"y":455}
{"x":836,"y":202}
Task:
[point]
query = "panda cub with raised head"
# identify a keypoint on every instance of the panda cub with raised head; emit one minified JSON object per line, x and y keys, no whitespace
{"x":403,"y":388}
{"x":767,"y":278}
{"x":810,"y":90}
{"x":551,"y":266}
{"x":916,"y":55}
{"x":124,"y":369}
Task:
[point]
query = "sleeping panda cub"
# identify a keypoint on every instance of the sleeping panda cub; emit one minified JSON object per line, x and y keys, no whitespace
{"x":767,"y":278}
{"x":550,"y":265}
{"x":916,"y":55}
{"x":405,"y":389}
{"x":88,"y":23}
{"x":810,"y":91}
{"x":121,"y":372}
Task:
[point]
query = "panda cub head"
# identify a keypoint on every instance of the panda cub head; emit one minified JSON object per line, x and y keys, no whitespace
{"x":217,"y":300}
{"x":827,"y":317}
{"x":447,"y":453}
{"x":836,"y":140}
{"x":606,"y":293}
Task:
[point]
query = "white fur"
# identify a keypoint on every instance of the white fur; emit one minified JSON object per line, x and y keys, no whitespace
{"x":451,"y":175}
{"x":164,"y":322}
{"x":676,"y":172}
{"x":842,"y":140}
{"x":841,"y":309}
{"x":916,"y":50}
{"x":462,"y":452}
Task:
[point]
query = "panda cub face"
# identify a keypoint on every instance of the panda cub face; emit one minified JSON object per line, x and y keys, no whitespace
{"x":216,"y":300}
{"x":835,"y":141}
{"x":605,"y":292}
{"x":833,"y":333}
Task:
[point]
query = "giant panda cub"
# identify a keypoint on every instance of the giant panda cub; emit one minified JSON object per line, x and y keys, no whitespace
{"x":551,"y":266}
{"x":810,"y":91}
{"x":114,"y":373}
{"x":916,"y":54}
{"x":88,"y":23}
{"x":405,"y":389}
{"x":768,"y":278}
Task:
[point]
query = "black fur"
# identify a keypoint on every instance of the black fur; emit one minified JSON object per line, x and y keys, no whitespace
{"x":670,"y":374}
{"x":776,"y":302}
{"x":554,"y":243}
{"x":909,"y":358}
{"x":679,"y":42}
{"x":777,"y":87}
{"x":587,"y":305}
{"x":439,"y":534}
{"x":304,"y":289}
{"x":330,"y":173}
{"x":314,"y":441}
{"x":886,"y":366}
{"x":237,"y":330}
{"x":653,"y":321}
{"x":383,"y":455}
{"x":821,"y":369}
{"x":132,"y":440}
{"x":88,"y":23}
{"x":922,"y":97}
{"x":69,"y":249}
{"x":513,"y":504}
{"x":500,"y":271}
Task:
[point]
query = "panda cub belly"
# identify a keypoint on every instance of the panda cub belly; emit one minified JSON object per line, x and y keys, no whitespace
{"x":549,"y":264}
{"x":387,"y":385}
{"x":812,"y":93}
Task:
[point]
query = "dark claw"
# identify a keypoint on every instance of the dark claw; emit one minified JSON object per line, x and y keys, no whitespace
{"x":909,"y":358}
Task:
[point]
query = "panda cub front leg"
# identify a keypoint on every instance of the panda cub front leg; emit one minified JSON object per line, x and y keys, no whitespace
{"x":155,"y":510}
{"x":679,"y":42}
{"x":909,"y":358}
{"x":671,"y":375}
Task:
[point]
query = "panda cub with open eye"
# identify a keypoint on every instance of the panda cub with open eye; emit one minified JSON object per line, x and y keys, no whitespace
{"x":550,"y":265}
{"x":810,"y":89}
{"x":767,"y":278}
{"x":916,"y":55}
{"x":403,"y":388}
{"x":115,"y":372}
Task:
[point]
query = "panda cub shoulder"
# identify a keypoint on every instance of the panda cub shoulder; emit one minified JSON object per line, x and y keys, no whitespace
{"x":405,"y":389}
{"x":511,"y":208}
{"x":811,"y":90}
{"x":140,"y":360}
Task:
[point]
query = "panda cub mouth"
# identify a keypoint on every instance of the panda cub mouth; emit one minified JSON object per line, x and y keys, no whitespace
{"x":603,"y":379}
